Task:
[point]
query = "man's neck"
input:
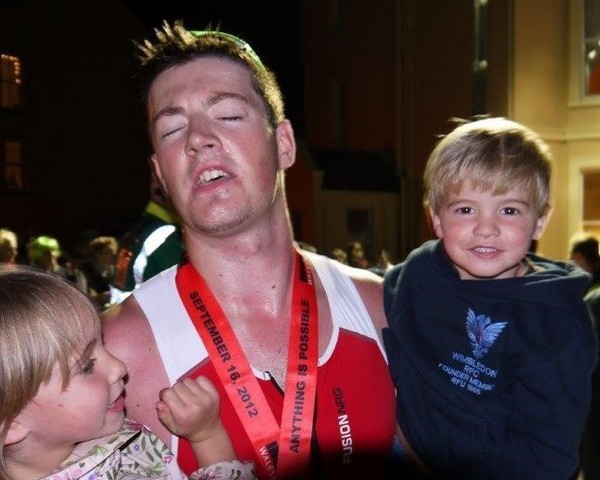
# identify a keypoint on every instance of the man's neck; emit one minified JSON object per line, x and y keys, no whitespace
{"x":244,"y":269}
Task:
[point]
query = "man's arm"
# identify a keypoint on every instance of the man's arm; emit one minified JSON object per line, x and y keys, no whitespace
{"x":370,"y":289}
{"x":128,"y":336}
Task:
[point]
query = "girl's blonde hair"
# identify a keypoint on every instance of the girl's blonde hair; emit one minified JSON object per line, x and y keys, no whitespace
{"x":493,"y":154}
{"x":44,"y":321}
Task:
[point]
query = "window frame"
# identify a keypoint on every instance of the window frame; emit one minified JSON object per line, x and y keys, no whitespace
{"x":578,"y":96}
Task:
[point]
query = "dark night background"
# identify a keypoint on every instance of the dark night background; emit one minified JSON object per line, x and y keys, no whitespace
{"x":366,"y":85}
{"x":272,"y":28}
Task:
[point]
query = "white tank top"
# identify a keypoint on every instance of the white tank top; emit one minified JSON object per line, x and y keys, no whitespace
{"x":179,"y":343}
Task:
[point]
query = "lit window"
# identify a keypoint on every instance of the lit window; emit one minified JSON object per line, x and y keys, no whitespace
{"x":591,"y":40}
{"x":10,"y":81}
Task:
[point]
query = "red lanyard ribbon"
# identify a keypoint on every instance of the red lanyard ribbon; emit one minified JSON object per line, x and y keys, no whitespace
{"x":294,"y":435}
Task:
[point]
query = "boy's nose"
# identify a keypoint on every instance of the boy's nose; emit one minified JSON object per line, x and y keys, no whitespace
{"x":486,"y":227}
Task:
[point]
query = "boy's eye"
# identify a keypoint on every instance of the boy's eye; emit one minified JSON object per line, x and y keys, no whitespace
{"x":464,"y":210}
{"x":88,"y":367}
{"x":510,"y":211}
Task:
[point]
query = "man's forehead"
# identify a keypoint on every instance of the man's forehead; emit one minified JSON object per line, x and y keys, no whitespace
{"x":205,"y":69}
{"x":205,"y":77}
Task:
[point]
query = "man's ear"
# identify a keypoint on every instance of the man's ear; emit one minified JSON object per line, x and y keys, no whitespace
{"x":286,"y":144}
{"x":16,"y":432}
{"x":542,"y":223}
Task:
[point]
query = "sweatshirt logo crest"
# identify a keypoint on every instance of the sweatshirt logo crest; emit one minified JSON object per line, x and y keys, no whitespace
{"x":482,"y":333}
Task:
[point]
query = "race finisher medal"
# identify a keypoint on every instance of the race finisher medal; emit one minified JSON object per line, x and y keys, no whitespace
{"x":284,"y":450}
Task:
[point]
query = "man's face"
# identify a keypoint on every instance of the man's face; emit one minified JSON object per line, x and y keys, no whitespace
{"x":214,"y":151}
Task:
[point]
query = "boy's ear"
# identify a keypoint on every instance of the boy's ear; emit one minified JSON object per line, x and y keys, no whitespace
{"x":16,"y":432}
{"x":542,"y":223}
{"x":436,"y":224}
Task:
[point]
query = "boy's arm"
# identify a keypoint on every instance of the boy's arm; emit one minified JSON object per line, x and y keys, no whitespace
{"x":551,"y":404}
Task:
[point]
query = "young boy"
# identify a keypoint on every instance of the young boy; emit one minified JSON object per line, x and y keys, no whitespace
{"x":491,"y":347}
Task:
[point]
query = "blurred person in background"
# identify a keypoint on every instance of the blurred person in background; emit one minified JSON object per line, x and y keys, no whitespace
{"x":584,"y":252}
{"x":99,"y":269}
{"x":356,"y":255}
{"x":9,"y":247}
{"x":383,"y":264}
{"x":152,"y":244}
{"x":44,"y":252}
{"x":340,"y":255}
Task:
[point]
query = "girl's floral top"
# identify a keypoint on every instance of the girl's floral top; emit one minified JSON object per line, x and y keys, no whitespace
{"x":135,"y":453}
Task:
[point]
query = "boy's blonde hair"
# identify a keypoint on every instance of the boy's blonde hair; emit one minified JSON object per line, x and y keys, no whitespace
{"x":493,"y":154}
{"x":44,"y":321}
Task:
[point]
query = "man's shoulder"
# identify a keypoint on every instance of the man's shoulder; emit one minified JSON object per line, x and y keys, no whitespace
{"x":131,"y":310}
{"x":368,"y":285}
{"x":359,"y":275}
{"x":124,"y":324}
{"x":127,"y":308}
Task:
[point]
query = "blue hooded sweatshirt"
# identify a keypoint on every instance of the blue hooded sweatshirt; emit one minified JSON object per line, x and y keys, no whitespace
{"x":493,"y":377}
